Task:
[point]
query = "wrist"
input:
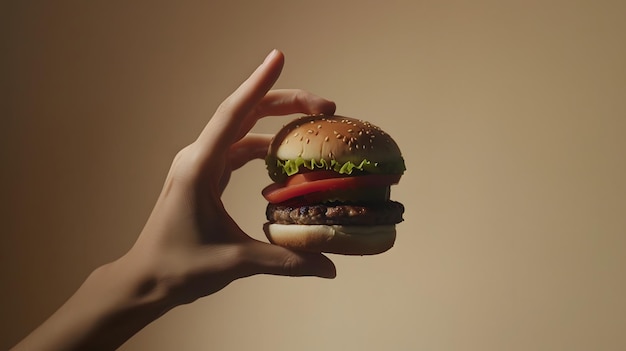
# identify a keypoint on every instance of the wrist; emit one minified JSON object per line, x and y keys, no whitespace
{"x":115,"y":302}
{"x":131,"y":288}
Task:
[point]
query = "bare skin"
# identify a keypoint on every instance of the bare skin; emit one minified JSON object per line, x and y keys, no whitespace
{"x":190,"y":247}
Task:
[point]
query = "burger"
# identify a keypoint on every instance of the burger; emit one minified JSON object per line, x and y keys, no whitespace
{"x":331,"y":192}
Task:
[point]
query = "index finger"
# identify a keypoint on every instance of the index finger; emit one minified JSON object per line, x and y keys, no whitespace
{"x":285,"y":102}
{"x":224,"y":127}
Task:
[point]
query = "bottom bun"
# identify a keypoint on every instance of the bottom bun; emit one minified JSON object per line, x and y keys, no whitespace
{"x":338,"y":239}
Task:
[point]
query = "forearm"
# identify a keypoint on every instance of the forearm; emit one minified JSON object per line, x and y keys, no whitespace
{"x":115,"y":302}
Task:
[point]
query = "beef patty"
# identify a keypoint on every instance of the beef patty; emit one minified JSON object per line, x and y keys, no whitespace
{"x":389,"y":212}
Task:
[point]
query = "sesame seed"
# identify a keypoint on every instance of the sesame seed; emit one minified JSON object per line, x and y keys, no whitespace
{"x":326,"y":139}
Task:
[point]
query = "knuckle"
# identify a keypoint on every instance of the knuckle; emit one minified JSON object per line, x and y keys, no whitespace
{"x":292,"y":266}
{"x":180,"y":155}
{"x":181,"y":160}
{"x":182,"y":167}
{"x":301,"y":96}
{"x":224,"y":107}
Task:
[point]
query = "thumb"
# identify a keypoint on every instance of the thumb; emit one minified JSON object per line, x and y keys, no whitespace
{"x":264,"y":258}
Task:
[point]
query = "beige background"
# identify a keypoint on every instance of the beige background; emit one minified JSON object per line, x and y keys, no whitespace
{"x":511,"y":116}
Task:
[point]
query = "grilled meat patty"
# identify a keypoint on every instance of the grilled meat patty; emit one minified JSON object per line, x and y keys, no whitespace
{"x":389,"y":212}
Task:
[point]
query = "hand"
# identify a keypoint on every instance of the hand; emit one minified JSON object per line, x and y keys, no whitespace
{"x":193,"y":245}
{"x":190,"y":247}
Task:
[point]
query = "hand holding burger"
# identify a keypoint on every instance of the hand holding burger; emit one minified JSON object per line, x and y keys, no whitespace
{"x":190,"y":246}
{"x":331,"y":193}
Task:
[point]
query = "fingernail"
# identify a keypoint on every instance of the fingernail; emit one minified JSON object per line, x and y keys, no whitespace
{"x":270,"y":55}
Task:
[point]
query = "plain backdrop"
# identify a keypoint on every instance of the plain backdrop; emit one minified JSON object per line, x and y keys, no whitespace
{"x":511,"y":116}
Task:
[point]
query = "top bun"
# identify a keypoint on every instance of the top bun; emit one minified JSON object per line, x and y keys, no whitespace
{"x":332,"y":142}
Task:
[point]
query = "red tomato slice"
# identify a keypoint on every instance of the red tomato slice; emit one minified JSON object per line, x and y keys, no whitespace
{"x":307,"y":183}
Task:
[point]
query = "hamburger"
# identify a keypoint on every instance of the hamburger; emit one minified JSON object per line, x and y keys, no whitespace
{"x":331,"y":192}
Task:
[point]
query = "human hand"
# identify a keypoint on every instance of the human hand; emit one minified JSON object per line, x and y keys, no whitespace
{"x":190,"y":245}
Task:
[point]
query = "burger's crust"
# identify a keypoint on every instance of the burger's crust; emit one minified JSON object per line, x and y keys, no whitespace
{"x":339,"y":138}
{"x":338,"y":239}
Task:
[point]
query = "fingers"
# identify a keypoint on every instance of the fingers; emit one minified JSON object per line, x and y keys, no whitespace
{"x":224,"y":127}
{"x":253,"y":100}
{"x":287,"y":101}
{"x":252,"y":146}
{"x":284,"y":102}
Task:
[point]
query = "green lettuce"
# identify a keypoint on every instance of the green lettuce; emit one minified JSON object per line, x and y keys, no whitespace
{"x":279,"y":170}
